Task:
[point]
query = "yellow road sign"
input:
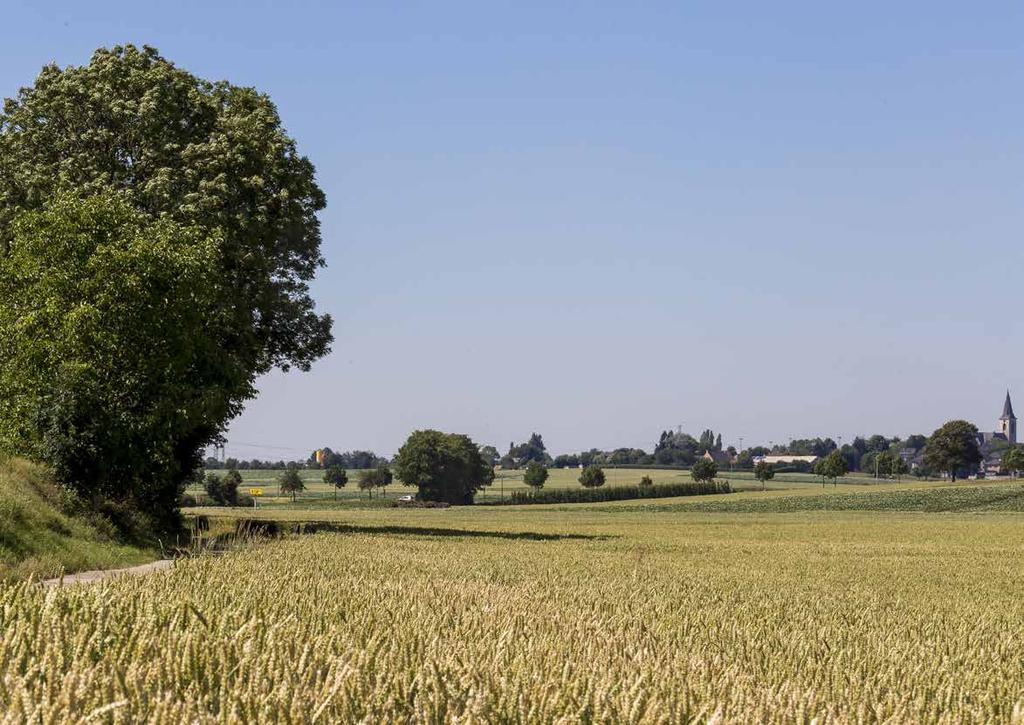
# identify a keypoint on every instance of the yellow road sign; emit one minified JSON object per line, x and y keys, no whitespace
{"x":255,"y":491}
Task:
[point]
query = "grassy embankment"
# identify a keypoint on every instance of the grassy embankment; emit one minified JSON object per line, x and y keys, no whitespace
{"x":38,"y":539}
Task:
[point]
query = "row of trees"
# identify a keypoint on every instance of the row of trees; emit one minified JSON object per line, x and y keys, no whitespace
{"x":229,"y":464}
{"x":347,"y":459}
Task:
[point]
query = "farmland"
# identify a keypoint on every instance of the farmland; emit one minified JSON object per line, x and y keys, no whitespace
{"x":321,"y":495}
{"x":616,"y":613}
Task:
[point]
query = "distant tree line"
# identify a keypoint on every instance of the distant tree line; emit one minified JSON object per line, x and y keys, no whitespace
{"x":348,"y":459}
{"x":215,"y":464}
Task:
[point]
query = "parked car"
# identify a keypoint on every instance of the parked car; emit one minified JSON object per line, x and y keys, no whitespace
{"x":407,"y":498}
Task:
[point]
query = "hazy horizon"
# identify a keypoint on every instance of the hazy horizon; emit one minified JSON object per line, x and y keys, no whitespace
{"x":600,"y":223}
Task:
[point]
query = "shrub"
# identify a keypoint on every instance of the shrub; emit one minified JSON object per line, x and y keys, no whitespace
{"x":592,"y":477}
{"x":535,"y":475}
{"x":704,"y":470}
{"x":646,"y":481}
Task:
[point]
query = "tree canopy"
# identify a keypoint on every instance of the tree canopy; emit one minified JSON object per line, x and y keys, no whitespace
{"x":953,"y":448}
{"x":832,"y":467}
{"x":535,"y":476}
{"x":531,"y":451}
{"x":221,"y":226}
{"x":371,"y":478}
{"x":445,"y":467}
{"x":764,"y":472}
{"x":704,"y":470}
{"x":592,"y":477}
{"x":109,"y":350}
{"x":290,"y":482}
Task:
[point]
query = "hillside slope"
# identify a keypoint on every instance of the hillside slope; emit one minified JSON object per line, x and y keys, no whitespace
{"x":38,"y":539}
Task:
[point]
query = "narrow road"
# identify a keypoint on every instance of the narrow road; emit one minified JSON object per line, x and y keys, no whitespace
{"x":90,"y":577}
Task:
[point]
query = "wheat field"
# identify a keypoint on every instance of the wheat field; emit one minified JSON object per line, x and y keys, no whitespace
{"x":544,"y":616}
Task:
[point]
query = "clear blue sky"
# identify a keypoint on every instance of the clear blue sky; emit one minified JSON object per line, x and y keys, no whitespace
{"x":772,"y":219}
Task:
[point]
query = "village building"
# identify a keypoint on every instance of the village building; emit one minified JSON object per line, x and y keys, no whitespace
{"x":994,"y":444}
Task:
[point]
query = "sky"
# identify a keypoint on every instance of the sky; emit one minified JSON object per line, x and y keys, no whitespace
{"x":599,"y":221}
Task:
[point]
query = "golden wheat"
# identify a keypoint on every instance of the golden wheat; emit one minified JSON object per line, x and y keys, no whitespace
{"x":657,"y":618}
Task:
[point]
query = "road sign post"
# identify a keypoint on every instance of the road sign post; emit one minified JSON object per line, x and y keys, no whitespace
{"x":255,"y":493}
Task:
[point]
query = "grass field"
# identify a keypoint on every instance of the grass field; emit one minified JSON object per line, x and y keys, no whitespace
{"x":625,"y":612}
{"x":318,"y":494}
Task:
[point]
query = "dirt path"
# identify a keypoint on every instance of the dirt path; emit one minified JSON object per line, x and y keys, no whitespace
{"x":90,"y":577}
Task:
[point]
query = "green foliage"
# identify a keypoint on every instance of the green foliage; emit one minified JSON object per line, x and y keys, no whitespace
{"x":764,"y":472}
{"x":1013,"y":461}
{"x":832,"y":467}
{"x":45,"y":529}
{"x":290,"y":482}
{"x":533,"y":451}
{"x":953,"y":448}
{"x":202,"y":264}
{"x":337,"y":477}
{"x":615,"y":493}
{"x":371,"y":478}
{"x":646,"y":481}
{"x":444,"y":467}
{"x":592,"y":477}
{"x":490,"y":454}
{"x":223,"y":491}
{"x":110,"y":359}
{"x":535,"y":476}
{"x":704,"y":470}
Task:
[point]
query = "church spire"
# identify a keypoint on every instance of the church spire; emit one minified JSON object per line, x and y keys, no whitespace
{"x":1008,"y":409}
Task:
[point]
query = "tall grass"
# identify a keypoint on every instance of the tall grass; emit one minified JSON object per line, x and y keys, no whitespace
{"x":673,"y":620}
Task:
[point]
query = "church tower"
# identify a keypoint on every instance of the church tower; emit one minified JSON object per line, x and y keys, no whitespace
{"x":1008,"y":421}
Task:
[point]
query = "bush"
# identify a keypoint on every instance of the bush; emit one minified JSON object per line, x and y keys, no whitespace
{"x":704,"y":470}
{"x":646,"y":481}
{"x":614,"y":493}
{"x":592,"y":477}
{"x":535,"y":475}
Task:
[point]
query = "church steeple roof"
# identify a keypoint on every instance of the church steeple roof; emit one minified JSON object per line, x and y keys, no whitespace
{"x":1007,"y":409}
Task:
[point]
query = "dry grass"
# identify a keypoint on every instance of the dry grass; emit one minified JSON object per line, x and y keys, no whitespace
{"x":637,"y":618}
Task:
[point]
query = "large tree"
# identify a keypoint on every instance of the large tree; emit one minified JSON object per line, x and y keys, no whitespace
{"x":953,"y":448}
{"x":444,"y":467}
{"x":207,"y":156}
{"x":110,"y":365}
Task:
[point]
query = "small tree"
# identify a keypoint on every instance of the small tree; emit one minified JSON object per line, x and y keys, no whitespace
{"x":645,"y":482}
{"x":592,"y":477}
{"x":953,"y":447}
{"x":1013,"y":461}
{"x":214,"y":487}
{"x":336,"y":476}
{"x":764,"y":472}
{"x":832,"y":467}
{"x":230,"y":485}
{"x":535,"y":475}
{"x":379,"y":477}
{"x":290,"y":482}
{"x":383,"y":477}
{"x":704,"y":470}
